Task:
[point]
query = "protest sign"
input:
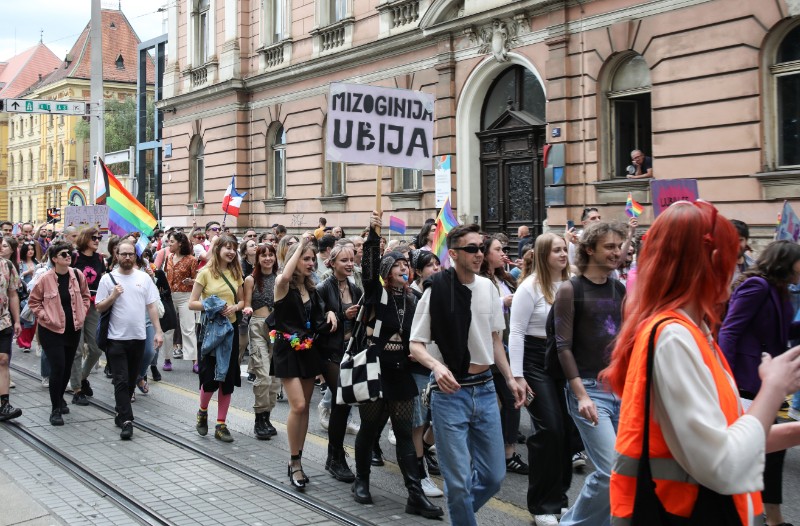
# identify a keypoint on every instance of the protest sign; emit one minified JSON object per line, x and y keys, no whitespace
{"x":666,"y":192}
{"x":85,"y":216}
{"x":789,"y":225}
{"x":381,"y":126}
{"x":443,"y":177}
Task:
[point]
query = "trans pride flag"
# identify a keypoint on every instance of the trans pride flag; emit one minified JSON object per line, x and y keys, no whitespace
{"x":445,"y":222}
{"x":125,"y":213}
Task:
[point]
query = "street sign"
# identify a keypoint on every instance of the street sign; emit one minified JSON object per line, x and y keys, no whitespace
{"x":54,"y":107}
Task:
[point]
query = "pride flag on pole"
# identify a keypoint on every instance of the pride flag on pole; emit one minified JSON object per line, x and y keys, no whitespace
{"x":632,"y":208}
{"x":445,"y":222}
{"x":789,"y":225}
{"x":125,"y":213}
{"x":232,"y":200}
{"x":397,"y":225}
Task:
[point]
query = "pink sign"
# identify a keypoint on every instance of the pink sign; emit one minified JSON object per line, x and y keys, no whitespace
{"x":381,"y":126}
{"x":666,"y":192}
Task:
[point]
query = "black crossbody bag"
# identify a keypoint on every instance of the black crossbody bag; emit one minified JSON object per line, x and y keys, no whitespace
{"x":101,"y":333}
{"x":710,"y":508}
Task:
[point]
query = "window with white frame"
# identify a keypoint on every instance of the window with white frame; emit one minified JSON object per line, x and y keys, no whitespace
{"x":50,"y":161}
{"x":203,"y":26}
{"x":30,"y":166}
{"x":276,"y":157}
{"x":628,"y":113}
{"x":335,"y":173}
{"x":61,"y":158}
{"x":338,"y":10}
{"x":786,"y":78}
{"x":197,"y":170}
{"x":11,"y":210}
{"x":407,"y":180}
{"x":10,"y":167}
{"x":275,"y":20}
{"x":31,"y":211}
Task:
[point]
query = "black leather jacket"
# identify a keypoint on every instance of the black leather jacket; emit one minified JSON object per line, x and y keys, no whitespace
{"x":332,"y":343}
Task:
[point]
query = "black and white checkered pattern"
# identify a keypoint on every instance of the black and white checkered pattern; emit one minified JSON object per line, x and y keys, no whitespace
{"x":359,"y":378}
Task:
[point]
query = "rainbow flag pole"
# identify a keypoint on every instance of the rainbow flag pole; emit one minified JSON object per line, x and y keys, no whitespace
{"x":445,"y":222}
{"x":125,"y":213}
{"x":632,"y":208}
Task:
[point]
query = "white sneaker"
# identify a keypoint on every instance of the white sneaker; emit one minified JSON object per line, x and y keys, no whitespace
{"x":794,"y":414}
{"x":46,"y":382}
{"x":352,"y":426}
{"x":324,"y":416}
{"x":430,"y":489}
{"x":579,"y":460}
{"x":392,"y":439}
{"x":545,"y":520}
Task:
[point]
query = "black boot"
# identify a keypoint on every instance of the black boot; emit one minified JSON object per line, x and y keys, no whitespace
{"x":360,"y":490}
{"x":260,"y":427}
{"x":271,"y":431}
{"x":417,"y":503}
{"x":336,"y":465}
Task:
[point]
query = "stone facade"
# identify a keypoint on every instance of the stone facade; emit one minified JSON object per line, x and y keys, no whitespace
{"x":691,"y":82}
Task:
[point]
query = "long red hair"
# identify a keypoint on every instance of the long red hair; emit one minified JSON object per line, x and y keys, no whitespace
{"x":688,"y":258}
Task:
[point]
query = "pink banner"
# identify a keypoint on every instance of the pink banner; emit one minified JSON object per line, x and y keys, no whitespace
{"x":666,"y":192}
{"x":380,"y":126}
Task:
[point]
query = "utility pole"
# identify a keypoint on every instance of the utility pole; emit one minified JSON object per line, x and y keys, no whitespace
{"x":97,"y":120}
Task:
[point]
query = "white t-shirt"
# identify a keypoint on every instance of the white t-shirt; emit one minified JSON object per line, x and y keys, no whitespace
{"x":128,"y":313}
{"x":487,"y":317}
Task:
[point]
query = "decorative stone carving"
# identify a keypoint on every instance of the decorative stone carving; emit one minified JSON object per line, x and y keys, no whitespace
{"x":497,"y":37}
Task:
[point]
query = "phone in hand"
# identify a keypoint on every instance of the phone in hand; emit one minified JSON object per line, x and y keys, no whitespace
{"x":570,"y":224}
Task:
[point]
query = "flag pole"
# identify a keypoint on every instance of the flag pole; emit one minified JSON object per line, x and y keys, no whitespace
{"x":379,"y":186}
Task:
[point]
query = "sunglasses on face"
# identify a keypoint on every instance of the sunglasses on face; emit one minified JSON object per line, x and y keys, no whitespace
{"x":201,"y":238}
{"x":469,"y":249}
{"x":64,"y":254}
{"x":214,"y":229}
{"x":97,"y":238}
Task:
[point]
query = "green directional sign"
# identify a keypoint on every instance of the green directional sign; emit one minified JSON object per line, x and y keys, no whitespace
{"x":58,"y":107}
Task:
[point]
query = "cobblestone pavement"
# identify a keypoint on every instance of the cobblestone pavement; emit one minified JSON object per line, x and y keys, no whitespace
{"x":188,"y":489}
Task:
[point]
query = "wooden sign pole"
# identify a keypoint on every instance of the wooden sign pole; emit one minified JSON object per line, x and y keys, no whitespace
{"x":379,"y":187}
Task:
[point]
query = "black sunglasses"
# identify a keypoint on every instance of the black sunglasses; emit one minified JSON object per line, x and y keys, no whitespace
{"x":64,"y":254}
{"x":469,"y":249}
{"x":97,"y":238}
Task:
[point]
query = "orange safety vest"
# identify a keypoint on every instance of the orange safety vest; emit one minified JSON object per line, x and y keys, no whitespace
{"x":675,"y":488}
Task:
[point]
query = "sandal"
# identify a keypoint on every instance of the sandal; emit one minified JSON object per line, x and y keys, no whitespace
{"x":143,"y":386}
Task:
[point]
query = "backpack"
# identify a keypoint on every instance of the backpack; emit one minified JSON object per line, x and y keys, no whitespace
{"x":552,"y":365}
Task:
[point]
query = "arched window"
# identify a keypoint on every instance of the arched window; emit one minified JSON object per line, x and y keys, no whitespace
{"x":516,"y":88}
{"x":11,"y":165}
{"x":786,"y":74}
{"x":627,"y":115}
{"x":61,"y":159}
{"x":197,"y":170}
{"x":31,"y":211}
{"x":276,"y":159}
{"x":30,"y":165}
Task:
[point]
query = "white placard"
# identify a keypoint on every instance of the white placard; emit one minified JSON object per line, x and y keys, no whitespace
{"x":443,"y":178}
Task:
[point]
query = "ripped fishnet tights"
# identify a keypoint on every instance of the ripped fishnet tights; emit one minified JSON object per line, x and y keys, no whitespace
{"x":373,"y":417}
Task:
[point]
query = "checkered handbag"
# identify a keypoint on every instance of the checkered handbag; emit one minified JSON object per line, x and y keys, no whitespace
{"x":359,"y":373}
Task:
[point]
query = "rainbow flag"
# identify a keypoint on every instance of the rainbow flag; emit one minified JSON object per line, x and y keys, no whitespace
{"x":397,"y":225}
{"x":445,"y":222}
{"x":632,"y":208}
{"x":125,"y":213}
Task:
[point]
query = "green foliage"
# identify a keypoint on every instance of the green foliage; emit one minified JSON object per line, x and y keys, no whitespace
{"x":120,"y":124}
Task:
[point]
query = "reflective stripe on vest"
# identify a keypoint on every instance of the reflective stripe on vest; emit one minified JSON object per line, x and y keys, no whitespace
{"x":676,"y":490}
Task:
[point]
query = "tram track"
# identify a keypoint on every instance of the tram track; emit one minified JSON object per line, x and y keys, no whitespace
{"x":311,"y":503}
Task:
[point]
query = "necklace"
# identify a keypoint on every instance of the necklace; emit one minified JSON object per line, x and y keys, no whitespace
{"x":401,"y":313}
{"x":342,"y":289}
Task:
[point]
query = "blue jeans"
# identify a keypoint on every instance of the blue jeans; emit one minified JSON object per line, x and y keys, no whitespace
{"x":469,"y":420}
{"x":592,"y":506}
{"x":150,"y":352}
{"x":796,"y":401}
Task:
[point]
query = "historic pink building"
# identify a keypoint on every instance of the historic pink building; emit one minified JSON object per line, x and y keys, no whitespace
{"x":710,"y":89}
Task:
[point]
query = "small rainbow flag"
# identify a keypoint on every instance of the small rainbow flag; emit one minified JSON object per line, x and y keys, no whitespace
{"x":397,"y":225}
{"x":445,"y":222}
{"x":632,"y":208}
{"x":125,"y":213}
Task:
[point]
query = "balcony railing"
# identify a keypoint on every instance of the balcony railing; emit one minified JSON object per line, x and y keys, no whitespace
{"x":404,"y":13}
{"x":199,"y":76}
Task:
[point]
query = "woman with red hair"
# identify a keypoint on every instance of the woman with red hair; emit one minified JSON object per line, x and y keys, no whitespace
{"x":708,"y":454}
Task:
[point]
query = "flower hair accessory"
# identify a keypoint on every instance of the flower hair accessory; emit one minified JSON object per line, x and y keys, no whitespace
{"x":294,"y":340}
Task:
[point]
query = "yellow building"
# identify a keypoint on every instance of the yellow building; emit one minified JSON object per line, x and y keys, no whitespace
{"x":48,"y":156}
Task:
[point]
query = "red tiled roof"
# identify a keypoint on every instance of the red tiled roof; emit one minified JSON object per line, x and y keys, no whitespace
{"x":25,"y":69}
{"x":119,"y":39}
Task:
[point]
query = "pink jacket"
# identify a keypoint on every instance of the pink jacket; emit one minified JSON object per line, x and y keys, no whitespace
{"x":45,"y":302}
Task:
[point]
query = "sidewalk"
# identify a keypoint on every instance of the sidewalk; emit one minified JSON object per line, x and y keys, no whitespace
{"x":25,"y":509}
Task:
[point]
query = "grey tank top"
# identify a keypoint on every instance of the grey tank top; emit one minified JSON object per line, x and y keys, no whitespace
{"x":266,"y":296}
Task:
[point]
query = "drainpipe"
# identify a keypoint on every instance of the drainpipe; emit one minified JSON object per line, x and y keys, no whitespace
{"x":583,"y":110}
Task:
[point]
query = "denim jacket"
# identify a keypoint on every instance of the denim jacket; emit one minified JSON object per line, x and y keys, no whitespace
{"x":217,"y":336}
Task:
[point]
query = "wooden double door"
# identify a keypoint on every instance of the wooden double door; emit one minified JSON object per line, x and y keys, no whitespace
{"x":512,"y":175}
